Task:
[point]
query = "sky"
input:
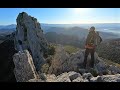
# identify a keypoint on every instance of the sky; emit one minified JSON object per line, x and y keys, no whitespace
{"x":63,"y":15}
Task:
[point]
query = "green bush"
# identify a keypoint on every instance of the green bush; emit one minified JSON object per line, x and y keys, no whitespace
{"x":45,"y":68}
{"x":51,"y":50}
{"x":93,"y":72}
{"x":49,"y":59}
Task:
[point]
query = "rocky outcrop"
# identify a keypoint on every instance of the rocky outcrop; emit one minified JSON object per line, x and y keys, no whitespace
{"x":62,"y":62}
{"x":29,"y":36}
{"x":106,"y":78}
{"x":77,"y":77}
{"x":65,"y":68}
{"x":24,"y":67}
{"x":59,"y":61}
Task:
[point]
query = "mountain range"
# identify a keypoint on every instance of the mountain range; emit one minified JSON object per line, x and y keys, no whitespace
{"x":107,"y":30}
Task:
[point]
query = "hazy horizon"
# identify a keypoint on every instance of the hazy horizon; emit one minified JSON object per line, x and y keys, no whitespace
{"x":65,"y":24}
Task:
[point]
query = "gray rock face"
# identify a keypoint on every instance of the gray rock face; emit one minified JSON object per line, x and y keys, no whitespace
{"x":101,"y":67}
{"x":69,"y":77}
{"x":109,"y":78}
{"x":73,"y":75}
{"x":87,"y":76}
{"x":59,"y":62}
{"x":62,"y":62}
{"x":106,"y":78}
{"x":76,"y":77}
{"x":114,"y":69}
{"x":51,"y":78}
{"x":29,"y":35}
{"x":79,"y":79}
{"x":94,"y":79}
{"x":24,"y":67}
{"x":64,"y":77}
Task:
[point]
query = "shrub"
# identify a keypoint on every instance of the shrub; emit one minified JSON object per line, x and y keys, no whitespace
{"x":45,"y":68}
{"x":93,"y":72}
{"x":49,"y":52}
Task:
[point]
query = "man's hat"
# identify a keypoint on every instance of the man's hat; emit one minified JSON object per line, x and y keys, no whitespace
{"x":92,"y":28}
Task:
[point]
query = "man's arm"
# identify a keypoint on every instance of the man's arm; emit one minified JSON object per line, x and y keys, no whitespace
{"x":87,"y":39}
{"x":100,"y":39}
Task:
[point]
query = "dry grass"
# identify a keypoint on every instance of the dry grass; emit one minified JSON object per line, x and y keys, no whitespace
{"x":70,"y":49}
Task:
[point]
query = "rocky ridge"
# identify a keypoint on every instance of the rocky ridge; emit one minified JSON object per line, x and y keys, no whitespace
{"x":29,"y":35}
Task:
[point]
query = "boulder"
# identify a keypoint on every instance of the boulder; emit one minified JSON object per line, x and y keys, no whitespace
{"x":73,"y":75}
{"x":24,"y":66}
{"x":51,"y":78}
{"x":109,"y":78}
{"x":114,"y":69}
{"x":87,"y":76}
{"x":78,"y":79}
{"x":64,"y":77}
{"x":59,"y":63}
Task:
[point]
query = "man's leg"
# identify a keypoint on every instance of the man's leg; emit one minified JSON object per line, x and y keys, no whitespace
{"x":85,"y":57}
{"x":92,"y":57}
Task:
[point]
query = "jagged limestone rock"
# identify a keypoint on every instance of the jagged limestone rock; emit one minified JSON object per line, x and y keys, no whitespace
{"x":64,"y":77}
{"x":59,"y":62}
{"x":94,"y":79}
{"x":24,"y":67}
{"x":73,"y":75}
{"x":29,"y":35}
{"x":87,"y":75}
{"x":114,"y":69}
{"x":62,"y":62}
{"x":79,"y":79}
{"x":76,"y":77}
{"x":109,"y":78}
{"x":51,"y":78}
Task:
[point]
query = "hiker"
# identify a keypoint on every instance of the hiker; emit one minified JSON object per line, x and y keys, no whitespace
{"x":93,"y":39}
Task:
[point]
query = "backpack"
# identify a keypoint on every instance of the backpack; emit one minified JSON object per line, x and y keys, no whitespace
{"x":91,"y":39}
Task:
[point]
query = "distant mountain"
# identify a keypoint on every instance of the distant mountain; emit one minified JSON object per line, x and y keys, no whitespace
{"x":7,"y":29}
{"x":80,"y":32}
{"x":108,"y":35}
{"x":75,"y":31}
{"x":107,"y":30}
{"x":12,"y":26}
{"x":63,"y":39}
{"x":98,"y":25}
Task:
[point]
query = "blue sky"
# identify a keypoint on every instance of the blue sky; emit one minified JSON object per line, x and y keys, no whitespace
{"x":63,"y":15}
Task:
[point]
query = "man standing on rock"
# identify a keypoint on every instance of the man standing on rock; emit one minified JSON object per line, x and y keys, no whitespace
{"x":90,"y":45}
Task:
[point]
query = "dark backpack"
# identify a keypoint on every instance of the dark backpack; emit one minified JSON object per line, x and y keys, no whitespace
{"x":91,"y":38}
